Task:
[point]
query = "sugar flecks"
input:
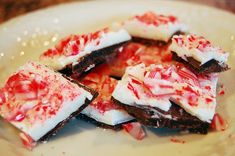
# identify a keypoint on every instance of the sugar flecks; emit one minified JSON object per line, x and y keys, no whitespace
{"x":176,"y":140}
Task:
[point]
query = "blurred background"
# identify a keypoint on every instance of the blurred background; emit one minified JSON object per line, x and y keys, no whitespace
{"x":12,"y":8}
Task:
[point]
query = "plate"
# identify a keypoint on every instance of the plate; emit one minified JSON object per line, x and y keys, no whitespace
{"x":25,"y":37}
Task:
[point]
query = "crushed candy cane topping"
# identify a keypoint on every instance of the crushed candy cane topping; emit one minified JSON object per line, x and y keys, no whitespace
{"x":35,"y":94}
{"x":157,"y":85}
{"x":74,"y":44}
{"x":134,"y":53}
{"x":198,"y":47}
{"x":151,"y":18}
{"x":105,"y":86}
{"x":150,"y":25}
{"x":70,"y":49}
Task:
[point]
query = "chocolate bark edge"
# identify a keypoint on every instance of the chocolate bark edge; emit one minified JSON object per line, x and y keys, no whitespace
{"x":181,"y":120}
{"x":151,"y":42}
{"x":148,"y":42}
{"x":101,"y":124}
{"x":74,"y":114}
{"x":211,"y":66}
{"x":92,"y":59}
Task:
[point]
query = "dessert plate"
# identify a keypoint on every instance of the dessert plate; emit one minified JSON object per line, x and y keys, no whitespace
{"x":25,"y":37}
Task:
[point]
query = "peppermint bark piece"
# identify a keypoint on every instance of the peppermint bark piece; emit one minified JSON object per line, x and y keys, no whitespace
{"x":39,"y":101}
{"x":198,"y":54}
{"x":152,"y":28}
{"x":78,"y":53}
{"x":103,"y":111}
{"x":168,"y":96}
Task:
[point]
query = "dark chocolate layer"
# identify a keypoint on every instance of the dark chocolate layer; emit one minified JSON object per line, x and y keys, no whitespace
{"x":211,"y":66}
{"x":155,"y":117}
{"x":148,"y":42}
{"x":74,"y":114}
{"x":92,"y":59}
{"x":151,"y":42}
{"x":101,"y":124}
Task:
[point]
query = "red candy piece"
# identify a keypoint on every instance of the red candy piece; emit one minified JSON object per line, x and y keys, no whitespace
{"x":167,"y":58}
{"x":188,"y":75}
{"x":152,"y":74}
{"x":179,"y":40}
{"x":208,"y":100}
{"x":2,"y":97}
{"x":208,"y":87}
{"x":191,"y":90}
{"x":27,"y":141}
{"x":130,"y":87}
{"x":138,"y":82}
{"x":18,"y":117}
{"x":191,"y":38}
{"x":135,"y":130}
{"x":221,"y":92}
{"x":177,"y":141}
{"x":22,"y":87}
{"x":218,"y":123}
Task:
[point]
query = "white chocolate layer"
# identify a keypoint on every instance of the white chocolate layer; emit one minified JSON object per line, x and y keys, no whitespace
{"x":157,"y":85}
{"x":111,"y":117}
{"x":106,"y":39}
{"x":152,"y":26}
{"x":40,"y":99}
{"x":198,"y":48}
